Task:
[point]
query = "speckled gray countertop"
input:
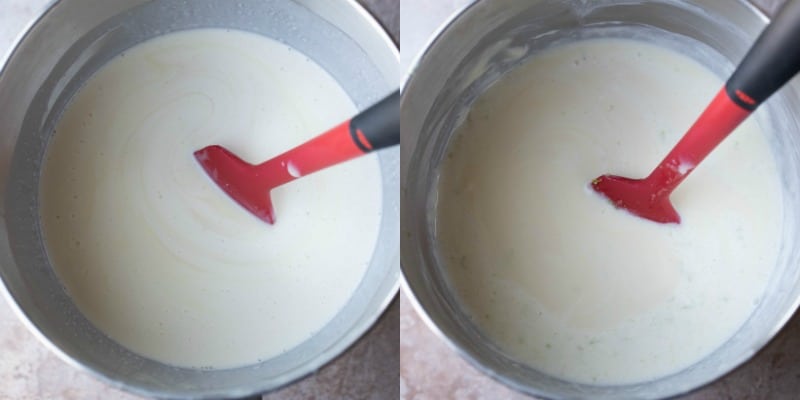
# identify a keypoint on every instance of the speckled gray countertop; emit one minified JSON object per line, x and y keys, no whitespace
{"x":429,"y":370}
{"x":28,"y":371}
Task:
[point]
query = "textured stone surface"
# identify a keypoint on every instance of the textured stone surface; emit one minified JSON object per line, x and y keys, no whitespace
{"x":430,"y":370}
{"x":28,"y":371}
{"x":388,"y":13}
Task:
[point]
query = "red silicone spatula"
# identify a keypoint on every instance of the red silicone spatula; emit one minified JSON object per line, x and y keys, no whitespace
{"x":250,"y":185}
{"x":771,"y":62}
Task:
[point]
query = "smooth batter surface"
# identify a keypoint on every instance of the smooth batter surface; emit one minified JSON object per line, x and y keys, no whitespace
{"x":557,"y":276}
{"x":155,"y":254}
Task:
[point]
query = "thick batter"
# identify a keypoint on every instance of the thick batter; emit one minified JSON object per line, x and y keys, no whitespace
{"x":555,"y":274}
{"x":155,"y":254}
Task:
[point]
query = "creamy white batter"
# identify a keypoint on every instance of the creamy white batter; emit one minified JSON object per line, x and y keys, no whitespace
{"x":155,"y":254}
{"x":557,"y":276}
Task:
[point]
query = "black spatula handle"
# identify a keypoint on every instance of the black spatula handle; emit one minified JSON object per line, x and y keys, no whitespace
{"x":771,"y":62}
{"x":379,"y":125}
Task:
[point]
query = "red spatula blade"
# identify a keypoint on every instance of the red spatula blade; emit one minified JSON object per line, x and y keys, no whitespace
{"x":767,"y":66}
{"x":238,"y":179}
{"x":638,"y":197}
{"x":249,"y":185}
{"x":649,"y":197}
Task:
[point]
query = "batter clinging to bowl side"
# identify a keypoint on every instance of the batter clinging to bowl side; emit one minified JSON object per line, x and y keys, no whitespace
{"x":554,"y":274}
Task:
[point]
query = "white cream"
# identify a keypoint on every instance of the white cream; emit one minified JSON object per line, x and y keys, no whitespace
{"x":155,"y":254}
{"x":555,"y":274}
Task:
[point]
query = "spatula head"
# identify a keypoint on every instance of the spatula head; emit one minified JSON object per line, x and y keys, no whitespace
{"x":239,"y":179}
{"x":637,"y":196}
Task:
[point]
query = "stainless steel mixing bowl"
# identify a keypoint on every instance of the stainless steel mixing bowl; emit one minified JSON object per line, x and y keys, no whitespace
{"x":57,"y":54}
{"x":491,"y":37}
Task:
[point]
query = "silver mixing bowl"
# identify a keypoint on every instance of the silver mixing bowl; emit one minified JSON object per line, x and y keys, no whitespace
{"x":57,"y":54}
{"x":491,"y":37}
